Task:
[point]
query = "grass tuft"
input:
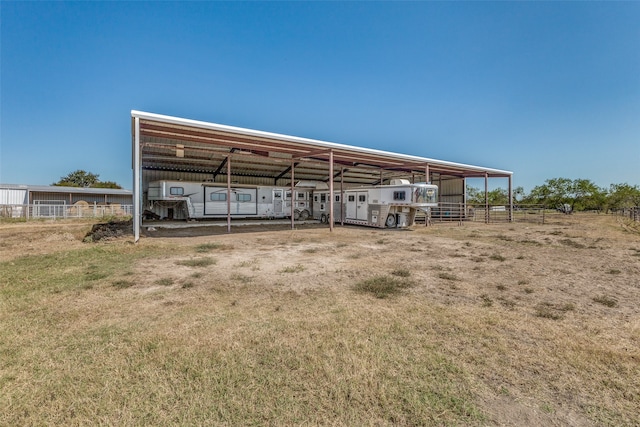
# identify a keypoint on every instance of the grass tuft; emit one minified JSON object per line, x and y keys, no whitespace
{"x":164,"y":281}
{"x":551,"y":311}
{"x":382,"y":286}
{"x":486,"y":300}
{"x":605,"y":300}
{"x":401,"y":272}
{"x":572,"y":243}
{"x":207,"y":247}
{"x":123,"y":284}
{"x":447,"y":276}
{"x":294,"y":269}
{"x":197,"y":262}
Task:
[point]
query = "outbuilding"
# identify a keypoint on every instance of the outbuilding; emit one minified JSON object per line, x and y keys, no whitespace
{"x":173,"y":148}
{"x":33,"y":201}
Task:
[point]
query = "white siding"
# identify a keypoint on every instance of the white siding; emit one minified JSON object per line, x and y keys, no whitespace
{"x":13,"y":196}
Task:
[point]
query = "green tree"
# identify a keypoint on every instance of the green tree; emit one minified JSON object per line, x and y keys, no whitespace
{"x":106,"y":184}
{"x":623,"y":196}
{"x":498,"y":196}
{"x":580,"y":194}
{"x":84,"y":179}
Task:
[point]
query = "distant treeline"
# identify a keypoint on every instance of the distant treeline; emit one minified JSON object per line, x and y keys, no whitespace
{"x":580,"y":194}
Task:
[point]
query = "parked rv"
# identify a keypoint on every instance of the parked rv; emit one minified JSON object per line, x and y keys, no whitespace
{"x":393,"y":205}
{"x":198,"y":200}
{"x":382,"y":206}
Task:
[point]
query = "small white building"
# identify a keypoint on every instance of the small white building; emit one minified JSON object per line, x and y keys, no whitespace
{"x":28,"y":201}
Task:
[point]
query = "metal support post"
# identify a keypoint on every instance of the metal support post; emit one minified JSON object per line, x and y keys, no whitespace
{"x":292,"y":195}
{"x":510,"y":200}
{"x":342,"y":196}
{"x":486,"y":198}
{"x":229,"y":194}
{"x":137,"y":194}
{"x":331,"y":190}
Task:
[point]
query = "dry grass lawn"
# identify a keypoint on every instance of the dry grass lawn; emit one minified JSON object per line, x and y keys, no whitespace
{"x":509,"y":324}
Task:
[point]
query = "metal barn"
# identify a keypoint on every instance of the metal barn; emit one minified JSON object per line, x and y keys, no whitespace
{"x":54,"y":201}
{"x":173,"y":148}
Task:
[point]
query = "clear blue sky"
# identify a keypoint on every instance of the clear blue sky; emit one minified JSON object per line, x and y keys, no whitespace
{"x":544,"y":89}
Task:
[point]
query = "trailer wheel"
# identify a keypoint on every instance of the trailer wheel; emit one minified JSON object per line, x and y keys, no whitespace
{"x":304,"y":215}
{"x":296,"y":214}
{"x":323,"y":218}
{"x":391,"y":221}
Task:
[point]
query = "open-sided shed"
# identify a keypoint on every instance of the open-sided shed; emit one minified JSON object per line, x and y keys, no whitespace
{"x":177,"y":148}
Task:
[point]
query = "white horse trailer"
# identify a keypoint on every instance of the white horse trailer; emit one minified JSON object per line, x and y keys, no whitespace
{"x":391,"y":206}
{"x":198,"y":200}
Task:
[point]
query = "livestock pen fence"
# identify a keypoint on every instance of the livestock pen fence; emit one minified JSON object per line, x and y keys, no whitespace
{"x":631,"y":213}
{"x":445,"y":212}
{"x":459,"y":213}
{"x":65,"y":211}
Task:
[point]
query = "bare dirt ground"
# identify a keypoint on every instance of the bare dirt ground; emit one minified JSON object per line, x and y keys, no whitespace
{"x":545,"y":303}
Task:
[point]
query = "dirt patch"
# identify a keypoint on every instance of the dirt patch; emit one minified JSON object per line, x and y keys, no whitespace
{"x":109,"y":230}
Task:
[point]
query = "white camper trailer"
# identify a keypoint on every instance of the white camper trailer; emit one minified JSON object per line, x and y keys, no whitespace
{"x":391,"y":206}
{"x":198,"y":200}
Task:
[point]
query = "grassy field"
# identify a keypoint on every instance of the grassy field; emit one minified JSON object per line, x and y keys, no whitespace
{"x":473,"y":325}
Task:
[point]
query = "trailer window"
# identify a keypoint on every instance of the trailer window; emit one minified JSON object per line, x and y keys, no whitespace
{"x":315,"y":198}
{"x":337,"y":197}
{"x":352,"y":198}
{"x":176,"y":191}
{"x":300,"y":195}
{"x":243,"y":197}
{"x":287,"y":195}
{"x":426,"y":195}
{"x":323,"y":198}
{"x":399,"y":195}
{"x":362,"y":198}
{"x":218,"y":197}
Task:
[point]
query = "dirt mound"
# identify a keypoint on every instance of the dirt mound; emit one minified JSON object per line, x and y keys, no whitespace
{"x":109,"y":230}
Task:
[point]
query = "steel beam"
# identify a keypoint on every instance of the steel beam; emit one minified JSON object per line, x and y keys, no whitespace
{"x":228,"y":195}
{"x":137,"y":194}
{"x":293,"y":196}
{"x":331,"y":191}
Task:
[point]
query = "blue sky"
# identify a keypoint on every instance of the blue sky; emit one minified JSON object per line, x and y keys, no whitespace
{"x":544,"y":89}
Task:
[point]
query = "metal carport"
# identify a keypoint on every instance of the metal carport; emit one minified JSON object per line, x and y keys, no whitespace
{"x":166,"y":143}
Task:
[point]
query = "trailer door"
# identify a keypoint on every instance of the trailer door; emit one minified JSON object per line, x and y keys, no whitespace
{"x":351,"y":205}
{"x":277,"y":201}
{"x":361,"y":205}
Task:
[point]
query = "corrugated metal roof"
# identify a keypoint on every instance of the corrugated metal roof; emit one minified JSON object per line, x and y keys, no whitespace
{"x":59,"y":189}
{"x":172,"y":143}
